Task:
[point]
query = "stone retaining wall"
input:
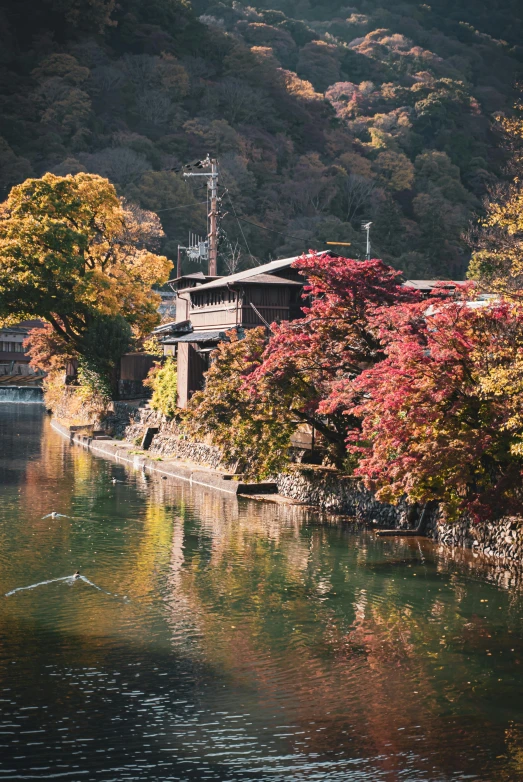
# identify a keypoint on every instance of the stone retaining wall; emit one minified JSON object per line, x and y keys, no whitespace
{"x":136,"y":420}
{"x":176,"y":447}
{"x":499,"y":539}
{"x":336,"y":493}
{"x":169,"y":442}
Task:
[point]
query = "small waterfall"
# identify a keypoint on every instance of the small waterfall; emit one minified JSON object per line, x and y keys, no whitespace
{"x":22,"y":394}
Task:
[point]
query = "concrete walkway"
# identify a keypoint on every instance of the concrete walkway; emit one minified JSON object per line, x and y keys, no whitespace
{"x":122,"y":451}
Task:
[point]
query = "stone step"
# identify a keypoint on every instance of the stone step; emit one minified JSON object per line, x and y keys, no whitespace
{"x":266,"y":487}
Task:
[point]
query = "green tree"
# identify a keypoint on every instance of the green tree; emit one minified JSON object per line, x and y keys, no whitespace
{"x":106,"y":340}
{"x":251,"y":430}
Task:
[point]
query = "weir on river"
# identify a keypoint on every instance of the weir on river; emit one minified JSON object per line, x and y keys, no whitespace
{"x":233,"y":640}
{"x":21,"y":394}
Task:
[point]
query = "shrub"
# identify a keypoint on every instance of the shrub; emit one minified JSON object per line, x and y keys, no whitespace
{"x":162,"y":379}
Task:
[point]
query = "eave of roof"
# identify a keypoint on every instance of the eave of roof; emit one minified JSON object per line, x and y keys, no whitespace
{"x":194,"y":276}
{"x":429,"y":284}
{"x":265,"y":279}
{"x":173,"y":326}
{"x":197,"y":337}
{"x":266,"y":268}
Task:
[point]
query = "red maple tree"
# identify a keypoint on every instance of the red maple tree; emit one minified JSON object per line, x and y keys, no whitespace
{"x":442,"y":413}
{"x":306,"y":359}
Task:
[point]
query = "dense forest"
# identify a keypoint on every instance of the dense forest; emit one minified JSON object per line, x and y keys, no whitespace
{"x":322,"y":115}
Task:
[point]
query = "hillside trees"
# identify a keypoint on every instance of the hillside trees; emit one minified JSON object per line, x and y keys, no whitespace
{"x":497,"y":264}
{"x":132,"y":90}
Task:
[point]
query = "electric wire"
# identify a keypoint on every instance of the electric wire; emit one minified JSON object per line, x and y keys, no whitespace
{"x":172,"y":208}
{"x":239,"y":226}
{"x":271,"y":230}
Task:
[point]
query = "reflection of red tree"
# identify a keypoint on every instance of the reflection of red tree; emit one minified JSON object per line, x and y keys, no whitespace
{"x":361,"y":691}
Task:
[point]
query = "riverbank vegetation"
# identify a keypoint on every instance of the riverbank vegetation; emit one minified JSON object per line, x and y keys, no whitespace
{"x":322,"y":115}
{"x":162,"y":380}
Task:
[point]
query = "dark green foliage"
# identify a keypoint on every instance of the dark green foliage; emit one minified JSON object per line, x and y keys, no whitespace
{"x":105,"y":342}
{"x":299,"y":99}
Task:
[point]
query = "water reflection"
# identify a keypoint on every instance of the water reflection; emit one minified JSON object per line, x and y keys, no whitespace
{"x":252,"y":643}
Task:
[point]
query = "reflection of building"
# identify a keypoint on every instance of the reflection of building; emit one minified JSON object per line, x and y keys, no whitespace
{"x":14,"y":362}
{"x":208,"y":307}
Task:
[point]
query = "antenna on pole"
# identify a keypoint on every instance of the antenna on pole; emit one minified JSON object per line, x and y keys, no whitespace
{"x":366,"y":227}
{"x":210,"y":247}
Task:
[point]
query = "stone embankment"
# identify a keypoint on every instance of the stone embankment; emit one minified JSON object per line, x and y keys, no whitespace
{"x":168,"y":441}
{"x":173,"y":469}
{"x":335,"y":493}
{"x":328,"y":490}
{"x":500,"y":539}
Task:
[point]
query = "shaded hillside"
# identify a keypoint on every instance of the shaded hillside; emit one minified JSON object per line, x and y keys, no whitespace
{"x":322,"y":115}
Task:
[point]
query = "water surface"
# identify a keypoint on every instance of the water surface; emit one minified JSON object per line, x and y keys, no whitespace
{"x":224,"y":639}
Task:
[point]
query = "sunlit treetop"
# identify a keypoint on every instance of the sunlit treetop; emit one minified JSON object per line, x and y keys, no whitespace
{"x":72,"y":251}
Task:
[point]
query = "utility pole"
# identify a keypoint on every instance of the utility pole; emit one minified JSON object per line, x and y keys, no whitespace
{"x":366,"y":227}
{"x":212,"y":187}
{"x":212,"y":184}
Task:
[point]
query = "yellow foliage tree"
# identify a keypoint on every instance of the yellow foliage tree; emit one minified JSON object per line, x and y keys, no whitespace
{"x":497,"y":264}
{"x":72,"y":252}
{"x":395,"y":170}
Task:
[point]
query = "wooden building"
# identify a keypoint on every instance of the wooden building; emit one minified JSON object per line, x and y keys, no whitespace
{"x":206,"y":308}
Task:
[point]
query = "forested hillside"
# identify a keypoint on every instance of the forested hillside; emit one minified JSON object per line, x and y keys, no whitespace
{"x":322,"y":115}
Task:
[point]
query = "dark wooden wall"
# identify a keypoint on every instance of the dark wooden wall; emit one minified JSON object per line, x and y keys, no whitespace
{"x":190,"y":367}
{"x":272,"y":302}
{"x":135,"y":366}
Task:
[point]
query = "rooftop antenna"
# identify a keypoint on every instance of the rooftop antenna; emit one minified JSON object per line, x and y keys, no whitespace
{"x":366,"y":227}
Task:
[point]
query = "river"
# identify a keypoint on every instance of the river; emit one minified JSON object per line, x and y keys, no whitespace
{"x":216,"y":638}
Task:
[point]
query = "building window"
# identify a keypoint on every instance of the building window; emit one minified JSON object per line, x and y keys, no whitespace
{"x":12,"y":347}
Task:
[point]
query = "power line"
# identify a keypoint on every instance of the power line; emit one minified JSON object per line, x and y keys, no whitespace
{"x":271,"y":230}
{"x":239,"y":226}
{"x":185,"y":206}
